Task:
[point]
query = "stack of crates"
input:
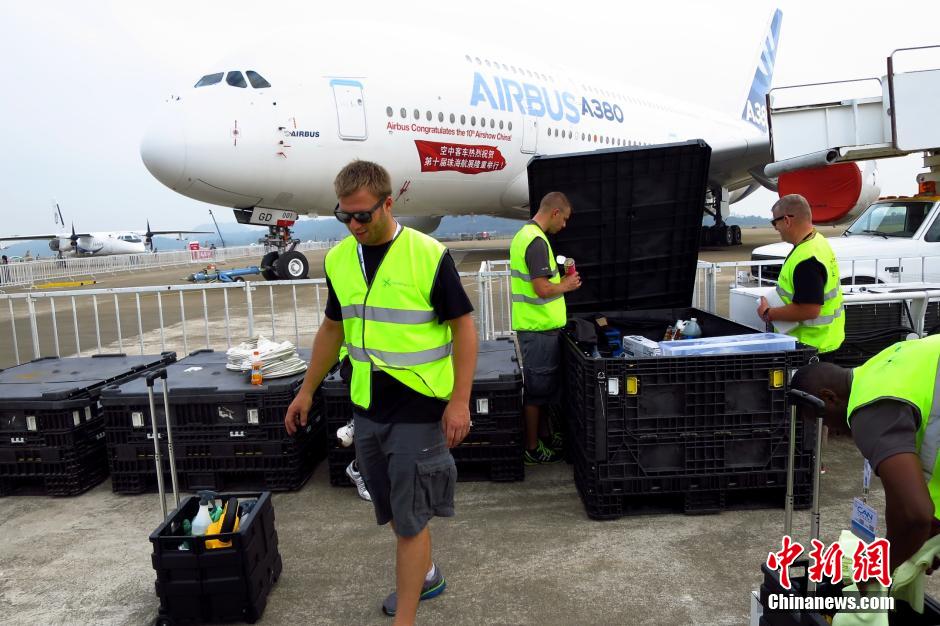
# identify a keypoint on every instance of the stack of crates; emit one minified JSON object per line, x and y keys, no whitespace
{"x":200,"y":583}
{"x":694,"y":433}
{"x":227,"y":433}
{"x":493,"y":449}
{"x":52,"y":436}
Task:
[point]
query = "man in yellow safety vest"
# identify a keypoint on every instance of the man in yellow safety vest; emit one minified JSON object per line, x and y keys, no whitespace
{"x":396,"y":303}
{"x":538,"y":312}
{"x":809,"y":283}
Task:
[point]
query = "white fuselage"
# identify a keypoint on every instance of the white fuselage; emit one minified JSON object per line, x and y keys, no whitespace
{"x":455,"y":130}
{"x":99,"y":244}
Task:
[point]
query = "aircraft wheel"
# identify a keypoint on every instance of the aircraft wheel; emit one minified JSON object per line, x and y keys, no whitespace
{"x":292,"y":266}
{"x":727,"y":235}
{"x":736,"y":232}
{"x":269,"y":266}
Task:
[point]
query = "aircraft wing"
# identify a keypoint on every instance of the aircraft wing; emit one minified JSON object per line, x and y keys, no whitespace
{"x":178,"y":232}
{"x":39,"y":237}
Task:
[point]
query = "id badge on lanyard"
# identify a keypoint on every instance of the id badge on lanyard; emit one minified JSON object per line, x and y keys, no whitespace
{"x":864,"y":518}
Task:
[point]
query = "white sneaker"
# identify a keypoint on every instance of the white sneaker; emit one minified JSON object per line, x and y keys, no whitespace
{"x":357,"y":480}
{"x":345,"y":435}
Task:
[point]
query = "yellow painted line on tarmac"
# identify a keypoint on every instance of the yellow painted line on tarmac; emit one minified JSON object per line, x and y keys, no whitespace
{"x":71,"y":283}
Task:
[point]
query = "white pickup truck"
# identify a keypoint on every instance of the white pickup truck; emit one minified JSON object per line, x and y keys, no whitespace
{"x":901,"y":235}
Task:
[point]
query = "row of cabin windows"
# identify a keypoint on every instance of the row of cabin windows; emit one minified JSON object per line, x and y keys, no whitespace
{"x":234,"y":79}
{"x":429,"y":116}
{"x":604,"y":139}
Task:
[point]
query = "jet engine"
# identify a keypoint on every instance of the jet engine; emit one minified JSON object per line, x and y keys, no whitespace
{"x":837,"y":193}
{"x":426,"y":225}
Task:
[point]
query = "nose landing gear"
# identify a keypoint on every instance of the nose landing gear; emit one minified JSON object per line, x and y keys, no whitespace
{"x":284,"y":262}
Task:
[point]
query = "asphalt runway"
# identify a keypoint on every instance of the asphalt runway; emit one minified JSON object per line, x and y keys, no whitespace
{"x":131,"y":321}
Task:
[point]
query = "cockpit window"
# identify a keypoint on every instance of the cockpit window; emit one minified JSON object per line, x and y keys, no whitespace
{"x":257,"y":80}
{"x":235,"y":79}
{"x":210,"y":79}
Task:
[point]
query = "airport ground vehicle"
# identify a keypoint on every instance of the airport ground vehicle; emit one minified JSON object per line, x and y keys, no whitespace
{"x":211,"y":274}
{"x":902,"y":234}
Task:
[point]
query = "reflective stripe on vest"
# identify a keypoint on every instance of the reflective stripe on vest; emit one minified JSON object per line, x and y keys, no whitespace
{"x":827,"y":330}
{"x":390,"y":324}
{"x":907,"y":372}
{"x":530,"y":311}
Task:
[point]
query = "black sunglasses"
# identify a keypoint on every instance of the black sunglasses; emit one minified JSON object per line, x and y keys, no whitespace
{"x":774,"y":221}
{"x":363,"y":217}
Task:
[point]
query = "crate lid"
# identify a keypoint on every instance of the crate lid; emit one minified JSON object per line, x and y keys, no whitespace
{"x":636,"y":224}
{"x":56,"y":379}
{"x":497,"y":362}
{"x":203,"y":373}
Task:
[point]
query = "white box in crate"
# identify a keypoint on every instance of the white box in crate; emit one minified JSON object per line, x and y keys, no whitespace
{"x":639,"y":347}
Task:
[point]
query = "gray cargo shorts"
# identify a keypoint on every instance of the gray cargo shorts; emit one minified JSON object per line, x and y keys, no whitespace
{"x":408,"y":470}
{"x":541,"y":366}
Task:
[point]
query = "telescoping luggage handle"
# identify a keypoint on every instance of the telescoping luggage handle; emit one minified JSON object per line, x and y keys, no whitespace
{"x":158,"y":457}
{"x":802,"y":398}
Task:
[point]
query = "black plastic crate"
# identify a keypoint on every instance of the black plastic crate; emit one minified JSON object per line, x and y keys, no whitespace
{"x":495,"y":441}
{"x":869,"y":329}
{"x":55,"y":395}
{"x":211,"y":585}
{"x":495,"y":399}
{"x":692,"y":495}
{"x":207,"y":400}
{"x":284,"y":465}
{"x":609,"y":400}
{"x":474,"y":463}
{"x":59,"y":445}
{"x":47,"y":471}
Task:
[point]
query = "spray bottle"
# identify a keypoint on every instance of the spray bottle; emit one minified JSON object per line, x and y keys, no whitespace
{"x":203,"y":518}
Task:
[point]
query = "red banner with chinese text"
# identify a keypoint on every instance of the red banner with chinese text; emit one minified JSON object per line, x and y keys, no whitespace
{"x":453,"y":157}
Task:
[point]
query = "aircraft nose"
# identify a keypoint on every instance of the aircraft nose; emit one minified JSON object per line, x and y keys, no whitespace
{"x":163,"y":150}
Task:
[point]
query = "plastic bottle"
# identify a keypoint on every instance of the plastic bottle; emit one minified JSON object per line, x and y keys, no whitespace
{"x":256,"y":378}
{"x":692,"y":330}
{"x":203,"y":518}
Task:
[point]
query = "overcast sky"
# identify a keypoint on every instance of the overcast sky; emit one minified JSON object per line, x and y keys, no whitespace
{"x":83,"y":79}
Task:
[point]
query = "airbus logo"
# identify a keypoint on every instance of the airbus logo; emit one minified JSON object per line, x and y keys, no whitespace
{"x":304,"y":133}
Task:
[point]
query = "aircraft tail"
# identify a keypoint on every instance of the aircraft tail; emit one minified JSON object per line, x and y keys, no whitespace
{"x":755,"y":107}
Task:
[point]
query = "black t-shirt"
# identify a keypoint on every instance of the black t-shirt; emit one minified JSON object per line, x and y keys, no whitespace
{"x":391,"y":400}
{"x":536,"y":257}
{"x":809,"y":282}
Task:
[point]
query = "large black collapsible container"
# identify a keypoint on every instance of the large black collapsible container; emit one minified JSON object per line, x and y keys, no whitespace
{"x":52,"y":436}
{"x":228,"y":433}
{"x":648,"y":426}
{"x":492,"y":450}
{"x":202,"y":584}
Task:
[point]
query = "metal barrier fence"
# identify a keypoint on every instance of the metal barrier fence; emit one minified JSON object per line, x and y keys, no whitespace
{"x":180,"y":318}
{"x":183,"y":318}
{"x":32,"y":272}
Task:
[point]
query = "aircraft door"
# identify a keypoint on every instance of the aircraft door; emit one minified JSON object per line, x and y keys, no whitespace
{"x":530,"y":134}
{"x":350,"y":109}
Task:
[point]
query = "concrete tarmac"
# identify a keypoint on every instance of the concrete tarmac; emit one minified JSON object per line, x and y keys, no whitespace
{"x":518,"y":553}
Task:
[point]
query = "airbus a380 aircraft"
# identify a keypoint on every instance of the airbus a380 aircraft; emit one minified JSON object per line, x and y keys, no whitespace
{"x":456,"y":125}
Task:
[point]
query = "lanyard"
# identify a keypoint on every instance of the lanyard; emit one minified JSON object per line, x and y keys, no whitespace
{"x":866,"y":480}
{"x":362,"y":262}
